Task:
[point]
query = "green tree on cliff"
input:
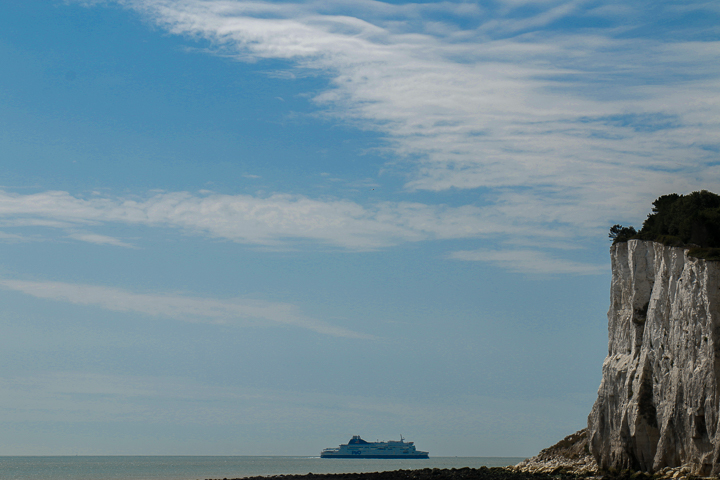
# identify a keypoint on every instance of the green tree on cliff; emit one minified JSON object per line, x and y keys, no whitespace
{"x":618,"y":233}
{"x":681,"y":220}
{"x":692,"y":219}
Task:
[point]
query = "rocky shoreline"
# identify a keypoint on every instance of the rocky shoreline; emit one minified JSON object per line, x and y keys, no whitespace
{"x":482,"y":473}
{"x":525,"y":471}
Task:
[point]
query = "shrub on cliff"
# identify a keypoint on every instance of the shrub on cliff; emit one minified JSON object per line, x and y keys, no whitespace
{"x":618,"y":233}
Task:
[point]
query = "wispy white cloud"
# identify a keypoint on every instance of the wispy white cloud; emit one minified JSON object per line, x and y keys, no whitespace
{"x":270,"y":221}
{"x":486,"y":107}
{"x":99,"y":239}
{"x":12,"y":238}
{"x":556,"y":124}
{"x":551,"y":11}
{"x":236,"y":311}
{"x":529,"y":261}
{"x":284,"y":220}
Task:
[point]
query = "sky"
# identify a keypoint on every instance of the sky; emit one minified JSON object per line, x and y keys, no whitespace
{"x":261,"y":227}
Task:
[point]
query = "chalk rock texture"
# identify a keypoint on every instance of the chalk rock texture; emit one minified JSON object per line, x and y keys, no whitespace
{"x":657,"y":404}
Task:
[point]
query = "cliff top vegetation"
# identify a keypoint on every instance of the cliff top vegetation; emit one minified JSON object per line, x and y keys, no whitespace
{"x":691,"y":221}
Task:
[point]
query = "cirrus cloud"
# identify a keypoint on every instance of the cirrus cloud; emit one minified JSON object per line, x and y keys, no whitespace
{"x":180,"y":307}
{"x":555,"y":114}
{"x":273,"y":221}
{"x":512,"y":102}
{"x":528,"y":261}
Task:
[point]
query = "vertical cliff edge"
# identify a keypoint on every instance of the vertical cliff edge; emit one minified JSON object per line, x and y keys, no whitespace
{"x":657,"y":403}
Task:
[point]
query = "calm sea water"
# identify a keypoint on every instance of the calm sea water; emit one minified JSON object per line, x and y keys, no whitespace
{"x":193,"y":468}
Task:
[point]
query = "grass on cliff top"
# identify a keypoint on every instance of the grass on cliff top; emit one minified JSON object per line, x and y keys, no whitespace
{"x":690,"y":221}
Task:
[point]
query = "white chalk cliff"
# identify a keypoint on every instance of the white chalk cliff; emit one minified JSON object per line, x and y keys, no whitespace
{"x":658,"y":400}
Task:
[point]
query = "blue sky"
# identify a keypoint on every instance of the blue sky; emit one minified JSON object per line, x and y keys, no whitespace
{"x":258,"y":228}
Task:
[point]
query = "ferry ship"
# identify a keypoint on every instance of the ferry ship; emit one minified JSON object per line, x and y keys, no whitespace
{"x":359,"y":448}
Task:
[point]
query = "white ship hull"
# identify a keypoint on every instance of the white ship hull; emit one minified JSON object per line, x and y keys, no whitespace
{"x":359,"y":448}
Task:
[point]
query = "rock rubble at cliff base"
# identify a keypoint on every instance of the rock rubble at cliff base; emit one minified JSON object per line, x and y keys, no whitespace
{"x":571,"y":457}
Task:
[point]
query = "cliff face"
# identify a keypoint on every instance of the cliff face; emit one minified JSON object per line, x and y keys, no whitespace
{"x":657,"y":403}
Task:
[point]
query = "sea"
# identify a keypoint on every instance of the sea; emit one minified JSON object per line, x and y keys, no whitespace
{"x":201,"y":468}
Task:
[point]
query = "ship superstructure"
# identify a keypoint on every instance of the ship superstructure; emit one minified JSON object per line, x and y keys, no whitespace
{"x":359,"y":448}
